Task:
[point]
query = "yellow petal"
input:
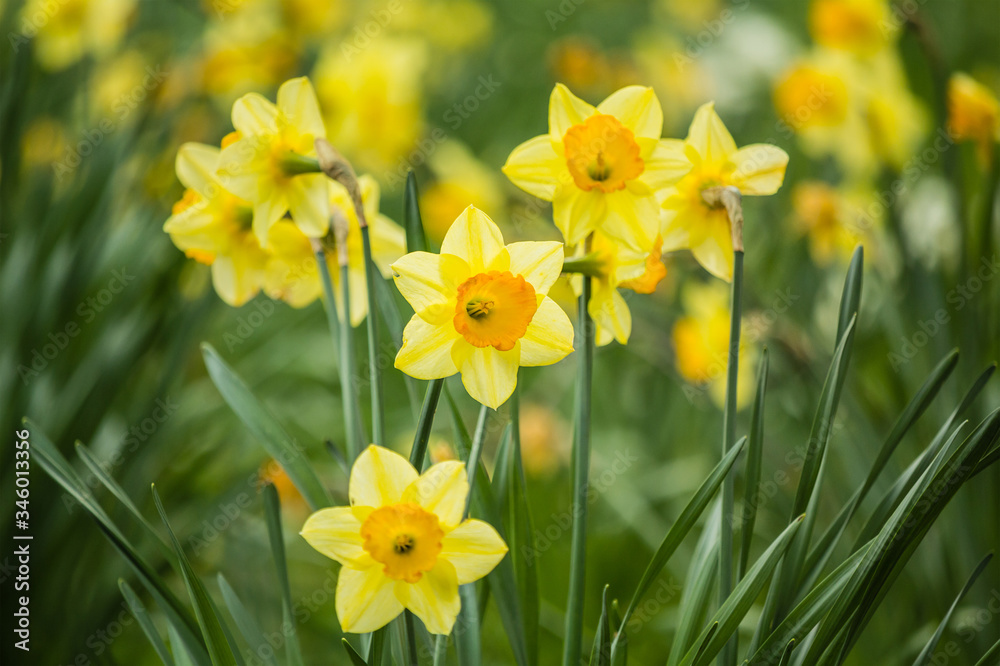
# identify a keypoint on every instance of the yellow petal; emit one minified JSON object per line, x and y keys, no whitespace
{"x":539,"y":262}
{"x":549,"y":337}
{"x":196,"y":164}
{"x":418,"y":278}
{"x":336,"y":532}
{"x":366,"y":600}
{"x":667,"y":164}
{"x":434,"y":598}
{"x":388,"y":243}
{"x":297,"y":102}
{"x":715,"y":250}
{"x":371,"y":193}
{"x":241,"y":167}
{"x":632,"y":219}
{"x":427,"y":349}
{"x":610,"y":311}
{"x":309,"y":204}
{"x":379,"y":477}
{"x":759,"y":168}
{"x":234,"y":283}
{"x":442,"y":490}
{"x":709,"y":136}
{"x":566,"y":110}
{"x":474,"y":238}
{"x":637,"y":108}
{"x":577,"y":213}
{"x":535,"y":167}
{"x":675,"y":232}
{"x":474,"y":548}
{"x":253,"y":115}
{"x":265,"y":213}
{"x":489,"y":375}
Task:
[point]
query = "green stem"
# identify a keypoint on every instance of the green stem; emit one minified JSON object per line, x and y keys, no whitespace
{"x":727,"y":657}
{"x":410,"y":640}
{"x":441,"y":651}
{"x":352,"y":414}
{"x":423,"y":433}
{"x":581,"y":467}
{"x":589,"y":264}
{"x":475,"y":453}
{"x":375,"y":374}
{"x":293,"y":164}
{"x":356,"y":437}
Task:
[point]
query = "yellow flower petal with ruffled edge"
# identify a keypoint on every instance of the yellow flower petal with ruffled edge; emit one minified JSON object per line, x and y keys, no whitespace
{"x":379,"y":477}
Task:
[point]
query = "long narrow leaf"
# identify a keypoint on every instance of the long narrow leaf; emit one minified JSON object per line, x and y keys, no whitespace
{"x":272,"y":516}
{"x":145,"y":623}
{"x":755,"y":448}
{"x":246,"y":623}
{"x":925,"y":655}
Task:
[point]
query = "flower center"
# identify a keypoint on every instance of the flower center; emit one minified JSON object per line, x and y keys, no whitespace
{"x":404,"y":538}
{"x":602,"y":153}
{"x":494,"y":309}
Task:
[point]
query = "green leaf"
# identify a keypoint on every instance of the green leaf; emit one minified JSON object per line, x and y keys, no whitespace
{"x":501,"y":580}
{"x":266,"y":429}
{"x":697,"y":593}
{"x":728,"y":617}
{"x":466,"y":629}
{"x":146,"y":624}
{"x":914,"y":409}
{"x":372,"y":275}
{"x":991,"y":656}
{"x":755,"y":448}
{"x":678,"y":531}
{"x":415,"y":239}
{"x":182,"y":657}
{"x":523,"y":548}
{"x":925,"y":655}
{"x":211,"y":627}
{"x":784,"y":590}
{"x":178,"y":616}
{"x":600,"y":654}
{"x":850,"y":298}
{"x":246,"y":623}
{"x":272,"y":516}
{"x":425,"y":423}
{"x":786,"y":656}
{"x":352,"y":654}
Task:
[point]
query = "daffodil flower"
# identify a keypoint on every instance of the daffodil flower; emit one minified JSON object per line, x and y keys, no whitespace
{"x":602,"y":168}
{"x":481,"y":308}
{"x":403,"y":543}
{"x":212,"y":226}
{"x":689,"y":222}
{"x":260,"y":165}
{"x":973,"y":114}
{"x":618,"y":267}
{"x":292,"y":275}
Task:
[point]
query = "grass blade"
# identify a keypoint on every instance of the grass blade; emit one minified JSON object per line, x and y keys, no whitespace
{"x":728,"y":617}
{"x":600,"y":654}
{"x":145,"y":623}
{"x":416,"y":241}
{"x":991,"y":656}
{"x":925,"y":655}
{"x":272,"y":516}
{"x":755,"y":448}
{"x":352,"y":654}
{"x":466,"y":630}
{"x":850,"y":298}
{"x":246,"y":623}
{"x":697,"y":592}
{"x":211,"y":627}
{"x":266,"y":429}
{"x":678,"y":531}
{"x":425,"y":423}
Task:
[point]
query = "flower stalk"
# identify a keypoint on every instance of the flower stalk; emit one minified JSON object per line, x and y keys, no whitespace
{"x":730,"y":199}
{"x":581,"y":468}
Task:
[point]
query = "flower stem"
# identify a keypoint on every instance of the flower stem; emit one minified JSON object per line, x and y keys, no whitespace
{"x":423,"y":433}
{"x":728,"y":655}
{"x":581,"y":468}
{"x":356,"y":437}
{"x":344,"y":350}
{"x":589,"y":264}
{"x":441,"y":650}
{"x":375,"y":374}
{"x":475,"y":453}
{"x":410,"y":639}
{"x":294,"y":164}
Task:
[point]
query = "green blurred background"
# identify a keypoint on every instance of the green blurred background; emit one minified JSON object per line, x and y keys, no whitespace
{"x":101,"y":317}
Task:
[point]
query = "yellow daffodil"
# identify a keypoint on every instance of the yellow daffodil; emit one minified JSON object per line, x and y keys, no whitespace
{"x":862,"y":27}
{"x":689,"y":222}
{"x":544,"y":440}
{"x":256,"y":166}
{"x":373,"y":98}
{"x":292,"y":274}
{"x":618,"y":266}
{"x":481,"y":308}
{"x":973,"y":114}
{"x":602,"y":168}
{"x":835,"y":221}
{"x":403,"y":543}
{"x":701,"y":344}
{"x":68,"y":30}
{"x":459,"y":179}
{"x":212,"y":226}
